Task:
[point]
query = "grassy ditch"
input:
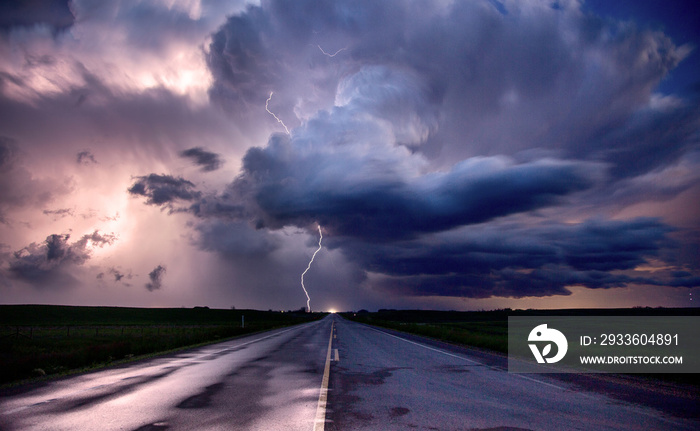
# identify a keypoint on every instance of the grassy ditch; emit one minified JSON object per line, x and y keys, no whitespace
{"x":487,"y":330}
{"x":40,"y":340}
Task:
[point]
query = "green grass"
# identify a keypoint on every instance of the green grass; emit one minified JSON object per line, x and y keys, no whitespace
{"x":491,"y":335}
{"x":41,"y":340}
{"x":485,"y":329}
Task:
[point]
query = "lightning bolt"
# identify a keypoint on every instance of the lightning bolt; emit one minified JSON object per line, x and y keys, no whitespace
{"x":308,"y":299}
{"x":331,"y":55}
{"x":273,"y":114}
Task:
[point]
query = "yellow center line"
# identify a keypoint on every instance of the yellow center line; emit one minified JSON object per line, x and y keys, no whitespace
{"x":320,"y":421}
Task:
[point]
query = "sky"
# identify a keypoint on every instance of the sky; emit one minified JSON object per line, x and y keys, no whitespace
{"x":458,"y":155}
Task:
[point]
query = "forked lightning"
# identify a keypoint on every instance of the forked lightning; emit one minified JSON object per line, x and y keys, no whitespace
{"x":273,"y":114}
{"x":308,"y":299}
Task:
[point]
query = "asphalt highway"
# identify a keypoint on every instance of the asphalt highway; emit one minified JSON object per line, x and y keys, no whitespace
{"x":390,"y":381}
{"x":334,"y":375}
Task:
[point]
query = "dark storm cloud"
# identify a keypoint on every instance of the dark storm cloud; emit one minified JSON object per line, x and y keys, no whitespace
{"x":207,"y":160}
{"x":164,"y":189}
{"x":658,"y":185}
{"x":357,"y":168}
{"x":156,"y":276}
{"x":502,"y":79}
{"x":54,"y":13}
{"x":517,"y":260}
{"x":429,"y":142}
{"x":377,"y":205}
{"x":234,"y":239}
{"x":85,"y":158}
{"x":684,"y":279}
{"x":648,"y":140}
{"x":42,"y":263}
{"x":240,"y":63}
{"x":350,"y":169}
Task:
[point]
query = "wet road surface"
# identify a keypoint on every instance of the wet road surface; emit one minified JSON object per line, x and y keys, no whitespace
{"x":266,"y":381}
{"x":376,"y":379}
{"x":390,"y":381}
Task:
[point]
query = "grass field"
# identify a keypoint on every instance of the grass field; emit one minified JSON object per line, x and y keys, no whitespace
{"x":486,"y":329}
{"x":41,"y":340}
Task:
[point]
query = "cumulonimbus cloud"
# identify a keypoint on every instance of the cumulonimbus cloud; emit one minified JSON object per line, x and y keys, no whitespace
{"x":350,"y":170}
{"x":464,"y":149}
{"x":428,"y":132}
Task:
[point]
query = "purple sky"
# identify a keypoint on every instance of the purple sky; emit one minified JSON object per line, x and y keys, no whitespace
{"x":457,"y":155}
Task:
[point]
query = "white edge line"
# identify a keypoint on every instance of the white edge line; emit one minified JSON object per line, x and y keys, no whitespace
{"x":429,"y":348}
{"x":539,"y":381}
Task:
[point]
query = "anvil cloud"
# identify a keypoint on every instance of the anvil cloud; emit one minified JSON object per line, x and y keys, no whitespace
{"x":456,"y":154}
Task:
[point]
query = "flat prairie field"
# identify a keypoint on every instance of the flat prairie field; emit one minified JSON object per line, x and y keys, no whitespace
{"x":48,"y":340}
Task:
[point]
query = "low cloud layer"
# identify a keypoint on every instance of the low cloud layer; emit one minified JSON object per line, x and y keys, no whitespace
{"x":516,"y":260}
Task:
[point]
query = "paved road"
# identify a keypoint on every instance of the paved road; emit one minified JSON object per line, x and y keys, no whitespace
{"x":387,"y":382}
{"x":275,"y":381}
